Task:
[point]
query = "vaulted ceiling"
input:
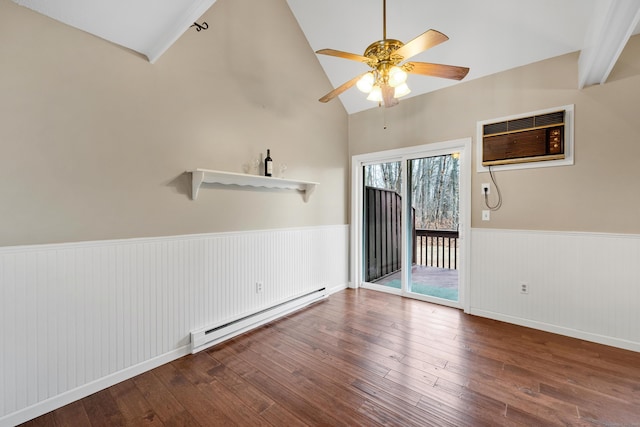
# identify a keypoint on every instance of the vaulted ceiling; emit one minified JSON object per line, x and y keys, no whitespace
{"x":488,"y":36}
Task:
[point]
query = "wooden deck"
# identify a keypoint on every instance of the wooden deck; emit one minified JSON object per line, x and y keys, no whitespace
{"x":370,"y":358}
{"x":433,"y":281}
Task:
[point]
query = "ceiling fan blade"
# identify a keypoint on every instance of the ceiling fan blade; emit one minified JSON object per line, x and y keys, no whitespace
{"x":436,"y":70}
{"x":337,"y":91}
{"x":345,"y":55}
{"x":424,"y":41}
{"x":387,"y":96}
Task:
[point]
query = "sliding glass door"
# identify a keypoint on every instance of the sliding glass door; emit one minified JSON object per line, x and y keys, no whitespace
{"x":412,"y":215}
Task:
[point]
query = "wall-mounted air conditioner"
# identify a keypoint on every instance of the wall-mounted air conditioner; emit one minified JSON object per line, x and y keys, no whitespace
{"x":540,"y":136}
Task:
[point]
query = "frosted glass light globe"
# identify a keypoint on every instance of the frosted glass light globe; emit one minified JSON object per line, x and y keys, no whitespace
{"x":401,"y":90}
{"x":375,"y":95}
{"x":365,"y":83}
{"x":397,"y":76}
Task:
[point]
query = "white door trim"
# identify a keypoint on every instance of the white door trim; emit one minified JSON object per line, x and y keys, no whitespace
{"x":463,"y":146}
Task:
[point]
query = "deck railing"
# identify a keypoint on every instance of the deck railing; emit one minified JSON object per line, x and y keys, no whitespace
{"x":382,"y":226}
{"x":382,"y":245}
{"x":436,"y":248}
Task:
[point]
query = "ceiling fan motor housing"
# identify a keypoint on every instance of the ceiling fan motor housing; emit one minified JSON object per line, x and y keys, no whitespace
{"x":382,"y":52}
{"x":381,"y":58}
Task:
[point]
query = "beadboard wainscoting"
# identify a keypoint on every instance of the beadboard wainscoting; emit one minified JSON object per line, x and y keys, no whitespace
{"x":584,"y":285}
{"x":78,"y":317}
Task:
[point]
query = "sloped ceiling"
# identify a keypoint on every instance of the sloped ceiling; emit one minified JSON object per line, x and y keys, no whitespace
{"x":148,"y":27}
{"x":487,"y":36}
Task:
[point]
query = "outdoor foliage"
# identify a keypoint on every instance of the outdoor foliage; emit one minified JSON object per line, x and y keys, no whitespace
{"x":434,"y":188}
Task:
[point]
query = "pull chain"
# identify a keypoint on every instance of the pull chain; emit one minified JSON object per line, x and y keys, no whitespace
{"x":384,"y":119}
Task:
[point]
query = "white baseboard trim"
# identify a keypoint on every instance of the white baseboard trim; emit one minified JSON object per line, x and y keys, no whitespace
{"x":573,"y":333}
{"x":88,"y":389}
{"x":338,"y":288}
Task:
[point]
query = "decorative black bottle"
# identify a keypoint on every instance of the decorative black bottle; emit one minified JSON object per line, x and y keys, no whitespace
{"x":268,"y":164}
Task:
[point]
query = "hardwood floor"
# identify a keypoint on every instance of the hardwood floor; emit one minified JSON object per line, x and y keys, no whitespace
{"x":369,"y":358}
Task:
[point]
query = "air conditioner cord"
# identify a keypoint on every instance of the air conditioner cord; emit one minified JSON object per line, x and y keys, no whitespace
{"x":486,"y":196}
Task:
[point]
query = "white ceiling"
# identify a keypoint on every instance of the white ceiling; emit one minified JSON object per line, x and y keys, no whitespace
{"x":148,"y":27}
{"x":487,"y":36}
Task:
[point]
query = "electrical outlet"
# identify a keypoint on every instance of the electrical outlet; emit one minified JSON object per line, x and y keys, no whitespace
{"x":486,"y":187}
{"x":486,"y":215}
{"x":524,"y":288}
{"x":259,"y":287}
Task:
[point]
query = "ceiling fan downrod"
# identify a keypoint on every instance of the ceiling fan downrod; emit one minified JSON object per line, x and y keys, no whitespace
{"x":384,"y":19}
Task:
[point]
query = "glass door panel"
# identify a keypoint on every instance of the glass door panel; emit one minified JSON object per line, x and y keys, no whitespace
{"x":433,"y":197}
{"x":382,"y":225}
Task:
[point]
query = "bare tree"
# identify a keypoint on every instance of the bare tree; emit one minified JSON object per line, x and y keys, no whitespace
{"x":434,"y":188}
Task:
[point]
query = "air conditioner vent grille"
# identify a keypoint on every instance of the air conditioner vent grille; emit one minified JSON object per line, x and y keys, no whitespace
{"x":524,"y":123}
{"x":520,"y":124}
{"x":492,"y":128}
{"x":550,"y":119}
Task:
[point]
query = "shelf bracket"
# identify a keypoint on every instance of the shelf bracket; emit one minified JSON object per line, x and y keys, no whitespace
{"x":308,"y":189}
{"x":197,"y":179}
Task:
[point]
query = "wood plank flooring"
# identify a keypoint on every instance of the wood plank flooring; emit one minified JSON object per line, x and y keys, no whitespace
{"x":368,"y":358}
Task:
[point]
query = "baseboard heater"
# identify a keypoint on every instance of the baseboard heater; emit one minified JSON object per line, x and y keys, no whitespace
{"x":210,"y":336}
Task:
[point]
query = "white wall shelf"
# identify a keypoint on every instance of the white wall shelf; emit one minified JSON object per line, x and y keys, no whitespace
{"x":200,"y":176}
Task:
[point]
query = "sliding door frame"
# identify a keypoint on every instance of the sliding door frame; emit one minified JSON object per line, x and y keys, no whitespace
{"x":463,"y":146}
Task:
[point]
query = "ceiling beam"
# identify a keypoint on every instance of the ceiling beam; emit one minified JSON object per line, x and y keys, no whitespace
{"x":611,"y":26}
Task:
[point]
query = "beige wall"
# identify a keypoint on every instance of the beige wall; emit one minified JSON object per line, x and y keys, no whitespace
{"x":96,"y":140}
{"x":599,"y":193}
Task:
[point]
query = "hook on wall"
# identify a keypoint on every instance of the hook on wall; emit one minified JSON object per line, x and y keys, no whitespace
{"x":199,"y":27}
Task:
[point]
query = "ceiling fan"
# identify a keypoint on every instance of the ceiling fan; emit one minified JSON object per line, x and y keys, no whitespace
{"x":387,"y":80}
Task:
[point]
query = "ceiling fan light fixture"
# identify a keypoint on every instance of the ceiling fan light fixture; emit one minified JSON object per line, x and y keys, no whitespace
{"x":397,"y":76}
{"x":387,"y":79}
{"x":401,"y":91}
{"x":365,"y":84}
{"x":375,"y":94}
